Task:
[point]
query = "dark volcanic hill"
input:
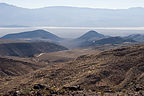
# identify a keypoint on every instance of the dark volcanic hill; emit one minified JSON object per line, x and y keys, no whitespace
{"x":28,"y":49}
{"x":91,"y":35}
{"x":117,"y":69}
{"x":32,"y":35}
{"x":109,"y":40}
{"x":136,"y":37}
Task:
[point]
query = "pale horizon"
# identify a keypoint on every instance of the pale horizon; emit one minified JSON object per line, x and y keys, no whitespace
{"x":103,"y":4}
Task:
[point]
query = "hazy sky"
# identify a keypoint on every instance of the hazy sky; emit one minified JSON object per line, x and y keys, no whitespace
{"x":112,"y":4}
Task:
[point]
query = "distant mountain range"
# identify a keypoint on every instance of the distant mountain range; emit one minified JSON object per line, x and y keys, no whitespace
{"x":93,"y":38}
{"x":33,"y":35}
{"x":109,"y":40}
{"x":71,"y":16}
{"x":136,"y":37}
{"x":90,"y":38}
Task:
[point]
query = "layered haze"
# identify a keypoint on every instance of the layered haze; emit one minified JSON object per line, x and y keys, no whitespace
{"x":61,"y":16}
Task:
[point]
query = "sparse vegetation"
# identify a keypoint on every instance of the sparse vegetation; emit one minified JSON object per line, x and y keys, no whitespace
{"x":106,"y":72}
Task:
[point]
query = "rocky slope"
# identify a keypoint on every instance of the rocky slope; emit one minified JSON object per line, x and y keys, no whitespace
{"x":11,"y":67}
{"x":109,"y":71}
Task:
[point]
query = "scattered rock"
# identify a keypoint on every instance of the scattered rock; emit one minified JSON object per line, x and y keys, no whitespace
{"x":14,"y":93}
{"x":108,"y":91}
{"x":73,"y":88}
{"x":39,"y":94}
{"x":138,"y":89}
{"x":39,"y":86}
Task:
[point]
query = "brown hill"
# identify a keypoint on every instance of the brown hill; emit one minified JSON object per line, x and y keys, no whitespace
{"x":116,"y":69}
{"x":28,"y":49}
{"x":66,"y":55}
{"x":10,"y":67}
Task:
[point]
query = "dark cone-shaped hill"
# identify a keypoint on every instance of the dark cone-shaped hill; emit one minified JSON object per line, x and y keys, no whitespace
{"x":90,"y":36}
{"x":30,"y":35}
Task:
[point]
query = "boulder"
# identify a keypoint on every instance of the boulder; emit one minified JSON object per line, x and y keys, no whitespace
{"x":39,"y":86}
{"x":73,"y":88}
